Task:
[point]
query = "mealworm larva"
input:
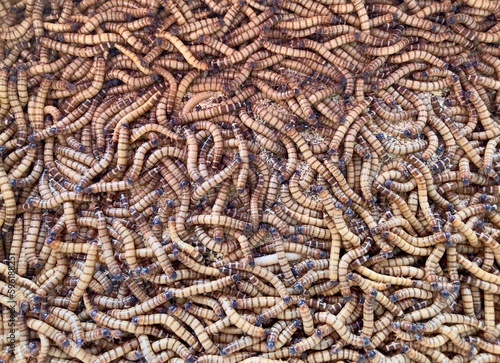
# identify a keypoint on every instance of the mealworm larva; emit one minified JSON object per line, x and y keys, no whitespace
{"x":236,"y":319}
{"x":102,"y":319}
{"x":31,"y":240}
{"x":192,"y":156}
{"x":85,"y":277}
{"x":240,"y":344}
{"x":282,"y":259}
{"x":307,"y":319}
{"x":186,"y":261}
{"x":48,"y":331}
{"x":344,"y":264}
{"x":177,"y":43}
{"x":73,"y":50}
{"x":203,"y":288}
{"x":9,"y":200}
{"x":154,"y":243}
{"x":195,"y":324}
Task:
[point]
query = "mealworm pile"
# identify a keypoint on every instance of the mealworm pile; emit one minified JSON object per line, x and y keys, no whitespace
{"x":250,"y":181}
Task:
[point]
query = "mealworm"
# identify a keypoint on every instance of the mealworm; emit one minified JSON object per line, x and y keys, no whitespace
{"x":176,"y":42}
{"x":85,"y":277}
{"x":192,"y":155}
{"x":236,"y":319}
{"x":195,"y":324}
